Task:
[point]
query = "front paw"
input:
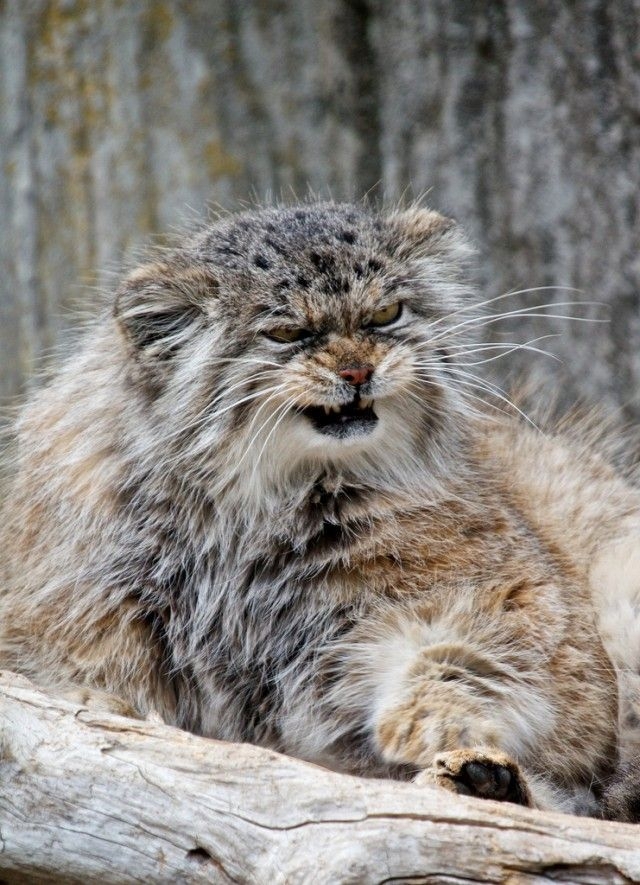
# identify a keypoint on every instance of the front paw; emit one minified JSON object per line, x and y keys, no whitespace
{"x":484,"y":773}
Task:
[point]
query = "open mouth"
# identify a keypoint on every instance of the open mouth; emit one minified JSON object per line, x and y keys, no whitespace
{"x":356,"y":418}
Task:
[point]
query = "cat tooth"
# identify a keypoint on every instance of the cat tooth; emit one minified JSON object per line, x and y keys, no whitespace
{"x":327,"y":410}
{"x":365,"y":403}
{"x":336,"y":409}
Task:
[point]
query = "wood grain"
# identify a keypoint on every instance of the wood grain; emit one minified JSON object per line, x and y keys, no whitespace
{"x":89,"y":797}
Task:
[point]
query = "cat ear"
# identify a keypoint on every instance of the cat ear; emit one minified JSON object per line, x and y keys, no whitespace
{"x":159,"y":306}
{"x":440,"y":249}
{"x":423,"y":233}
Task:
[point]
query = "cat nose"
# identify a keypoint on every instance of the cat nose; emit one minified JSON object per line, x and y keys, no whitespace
{"x":356,"y":375}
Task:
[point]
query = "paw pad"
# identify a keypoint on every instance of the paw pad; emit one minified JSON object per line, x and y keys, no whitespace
{"x":481,"y":776}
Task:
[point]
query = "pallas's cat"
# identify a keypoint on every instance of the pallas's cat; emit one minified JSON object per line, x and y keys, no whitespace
{"x":263,"y":498}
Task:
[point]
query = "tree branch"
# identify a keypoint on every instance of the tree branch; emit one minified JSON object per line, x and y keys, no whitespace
{"x":89,"y":797}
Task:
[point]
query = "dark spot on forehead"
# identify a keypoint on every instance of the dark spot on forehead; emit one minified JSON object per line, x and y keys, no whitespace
{"x":324,"y":262}
{"x":302,"y":281}
{"x":323,"y":245}
{"x":336,"y":285}
{"x":261,"y":262}
{"x":282,"y":285}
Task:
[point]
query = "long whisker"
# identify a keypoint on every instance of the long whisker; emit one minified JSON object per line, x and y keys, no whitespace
{"x":481,"y":384}
{"x":445,"y":413}
{"x":479,"y":304}
{"x":245,"y":360}
{"x":499,"y":356}
{"x":525,"y":312}
{"x":255,"y":436}
{"x":284,"y":410}
{"x":507,"y":349}
{"x":491,"y":389}
{"x":248,"y":398}
{"x":466,"y":395}
{"x":207,"y":414}
{"x":471,"y":347}
{"x":269,"y":399}
{"x":245,"y":382}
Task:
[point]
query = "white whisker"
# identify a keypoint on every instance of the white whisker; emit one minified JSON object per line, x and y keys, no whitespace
{"x":280,"y":414}
{"x":255,"y":436}
{"x":477,"y":305}
{"x":507,"y":348}
{"x":491,"y":389}
{"x":525,"y":312}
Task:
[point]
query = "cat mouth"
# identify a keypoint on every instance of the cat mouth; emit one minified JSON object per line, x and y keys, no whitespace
{"x":356,"y":418}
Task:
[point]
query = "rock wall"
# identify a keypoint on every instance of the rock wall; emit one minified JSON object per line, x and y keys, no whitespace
{"x":120,"y":120}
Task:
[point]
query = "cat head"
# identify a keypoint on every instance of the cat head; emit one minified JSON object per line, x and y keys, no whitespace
{"x":308,"y":335}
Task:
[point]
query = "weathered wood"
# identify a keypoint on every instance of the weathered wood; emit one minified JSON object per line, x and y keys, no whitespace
{"x":88,"y":797}
{"x":521,"y":116}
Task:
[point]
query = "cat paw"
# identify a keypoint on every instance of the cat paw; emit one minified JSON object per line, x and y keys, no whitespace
{"x":486,"y":774}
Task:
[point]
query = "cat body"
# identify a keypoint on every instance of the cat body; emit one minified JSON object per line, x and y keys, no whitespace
{"x":261,"y":500}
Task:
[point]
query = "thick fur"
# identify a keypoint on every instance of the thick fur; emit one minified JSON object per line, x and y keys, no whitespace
{"x":453,"y":586}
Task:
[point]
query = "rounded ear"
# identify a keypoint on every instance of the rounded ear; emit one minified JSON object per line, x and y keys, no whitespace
{"x":159,"y":305}
{"x":423,"y":233}
{"x":440,"y":251}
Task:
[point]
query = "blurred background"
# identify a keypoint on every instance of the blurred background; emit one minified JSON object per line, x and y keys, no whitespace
{"x":521,"y":118}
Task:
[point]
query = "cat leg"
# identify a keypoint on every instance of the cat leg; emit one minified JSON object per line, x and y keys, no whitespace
{"x":479,"y":703}
{"x":479,"y":741}
{"x":468,"y":719}
{"x":482,"y":761}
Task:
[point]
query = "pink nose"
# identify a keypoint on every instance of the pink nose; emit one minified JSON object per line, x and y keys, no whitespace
{"x":356,"y":375}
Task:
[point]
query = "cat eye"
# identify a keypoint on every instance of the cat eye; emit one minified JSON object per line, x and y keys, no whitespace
{"x":385,"y":315}
{"x":287,"y":334}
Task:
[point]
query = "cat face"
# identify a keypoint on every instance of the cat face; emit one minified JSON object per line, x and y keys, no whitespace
{"x":304,"y":332}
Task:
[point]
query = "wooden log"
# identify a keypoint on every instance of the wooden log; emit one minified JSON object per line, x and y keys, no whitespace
{"x":92,"y":797}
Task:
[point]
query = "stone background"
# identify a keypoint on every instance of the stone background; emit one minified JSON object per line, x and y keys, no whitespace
{"x":119,"y":120}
